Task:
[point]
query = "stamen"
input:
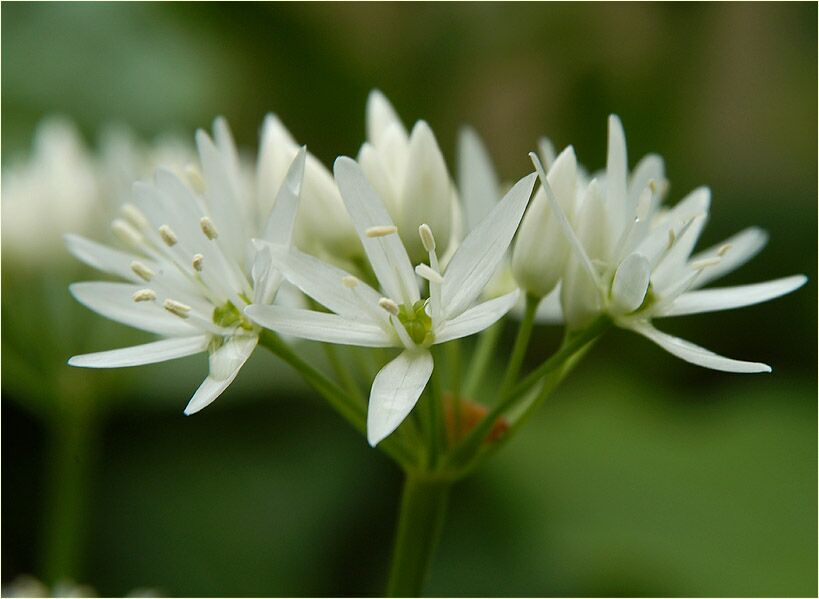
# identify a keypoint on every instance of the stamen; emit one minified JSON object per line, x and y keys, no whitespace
{"x":178,"y":308}
{"x":381,"y":231}
{"x":349,"y":281}
{"x":144,"y":295}
{"x":427,"y":238}
{"x":168,"y":236}
{"x":388,"y":305}
{"x":706,"y":262}
{"x":424,"y":271}
{"x":125,"y":232}
{"x":208,"y":228}
{"x":672,"y":237}
{"x":724,"y":249}
{"x":134,"y":214}
{"x":194,"y":178}
{"x":197,"y":261}
{"x":142,"y":271}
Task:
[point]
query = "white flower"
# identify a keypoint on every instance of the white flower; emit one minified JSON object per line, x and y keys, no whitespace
{"x":398,"y":317}
{"x":633,"y":260}
{"x":409,"y":173}
{"x":54,"y":191}
{"x":191,"y":265}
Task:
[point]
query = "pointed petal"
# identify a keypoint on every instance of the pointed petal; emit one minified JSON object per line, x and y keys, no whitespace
{"x":102,"y":257}
{"x":727,"y":298}
{"x":395,"y":392}
{"x":387,"y":254}
{"x":617,"y":170}
{"x":138,"y":355}
{"x":477,"y":181}
{"x":673,"y":267}
{"x":323,"y":282}
{"x":280,"y":222}
{"x":476,"y":259}
{"x":743,"y":246}
{"x":695,"y":354}
{"x":650,"y":168}
{"x":318,"y":326}
{"x":115,"y":301}
{"x":380,"y":117}
{"x":225,"y":364}
{"x":478,"y":318}
{"x":630,"y":285}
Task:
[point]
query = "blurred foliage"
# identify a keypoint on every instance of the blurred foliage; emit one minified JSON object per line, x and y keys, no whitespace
{"x":642,"y":476}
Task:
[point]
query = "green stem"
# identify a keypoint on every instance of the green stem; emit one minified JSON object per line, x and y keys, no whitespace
{"x":521,"y":343}
{"x":73,"y":433}
{"x":350,"y":409}
{"x":481,"y":357}
{"x":454,"y":367}
{"x":421,"y":517}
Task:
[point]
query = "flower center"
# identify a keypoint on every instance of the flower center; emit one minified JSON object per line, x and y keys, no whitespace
{"x":228,"y":315}
{"x":417,"y":323}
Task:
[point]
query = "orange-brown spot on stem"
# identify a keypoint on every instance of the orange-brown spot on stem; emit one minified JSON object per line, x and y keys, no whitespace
{"x":471,"y":413}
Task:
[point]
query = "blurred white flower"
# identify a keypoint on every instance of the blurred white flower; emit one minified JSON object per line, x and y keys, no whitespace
{"x":28,"y":586}
{"x":409,"y":173}
{"x":53,"y":191}
{"x":190,"y":263}
{"x":633,"y":260}
{"x":398,"y":317}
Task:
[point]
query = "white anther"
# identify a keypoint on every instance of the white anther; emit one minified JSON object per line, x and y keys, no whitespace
{"x":175,"y":307}
{"x":427,"y":238}
{"x":197,"y":261}
{"x":126,"y":232}
{"x":144,"y":295}
{"x":388,"y":305}
{"x":652,"y":185}
{"x":208,"y":228}
{"x":429,"y":274}
{"x":724,"y":249}
{"x":705,"y":263}
{"x":349,"y":281}
{"x":168,"y":236}
{"x":134,"y":214}
{"x":381,"y":231}
{"x":142,"y":271}
{"x":194,"y":178}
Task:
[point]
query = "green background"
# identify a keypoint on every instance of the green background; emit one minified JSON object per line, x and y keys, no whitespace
{"x":643,"y":475}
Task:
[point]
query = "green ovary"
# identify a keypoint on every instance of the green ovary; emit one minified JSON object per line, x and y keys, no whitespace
{"x":417,"y":323}
{"x":228,"y":315}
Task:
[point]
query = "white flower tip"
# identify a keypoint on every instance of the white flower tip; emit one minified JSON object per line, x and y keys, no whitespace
{"x":427,"y":238}
{"x":177,"y":308}
{"x":349,"y":281}
{"x":168,"y":236}
{"x":381,"y":231}
{"x":208,"y":228}
{"x":425,"y":272}
{"x":144,"y":295}
{"x":388,"y":305}
{"x":197,"y":262}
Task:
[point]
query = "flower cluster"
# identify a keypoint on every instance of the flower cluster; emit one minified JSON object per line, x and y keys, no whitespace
{"x":389,"y":253}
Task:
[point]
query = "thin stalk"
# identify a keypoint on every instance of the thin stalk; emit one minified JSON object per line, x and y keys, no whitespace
{"x":421,"y":517}
{"x":573,"y":344}
{"x":454,"y":367}
{"x":73,"y":437}
{"x":481,"y":357}
{"x":521,"y":344}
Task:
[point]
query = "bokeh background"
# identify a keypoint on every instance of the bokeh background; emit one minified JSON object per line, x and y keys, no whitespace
{"x":643,"y":475}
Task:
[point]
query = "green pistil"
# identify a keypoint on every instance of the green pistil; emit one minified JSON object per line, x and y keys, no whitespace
{"x":228,"y":315}
{"x":417,"y":323}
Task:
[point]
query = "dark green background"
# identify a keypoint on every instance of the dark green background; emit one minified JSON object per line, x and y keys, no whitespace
{"x":642,"y":476}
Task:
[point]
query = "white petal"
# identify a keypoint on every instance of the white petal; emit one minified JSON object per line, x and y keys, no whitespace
{"x":628,"y":290}
{"x":694,"y":353}
{"x":395,"y":392}
{"x":225,"y":364}
{"x":318,"y":326}
{"x":650,"y":168}
{"x":102,"y":257}
{"x":380,"y":117}
{"x":477,"y":181}
{"x":478,"y":318}
{"x":743,"y":246}
{"x":387,"y":254}
{"x":114,"y":301}
{"x":476,"y":259}
{"x":148,"y":353}
{"x":266,"y":277}
{"x":323,"y":282}
{"x":727,"y":298}
{"x":673,"y":265}
{"x":549,"y":310}
{"x":617,"y":171}
{"x":279,"y":227}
